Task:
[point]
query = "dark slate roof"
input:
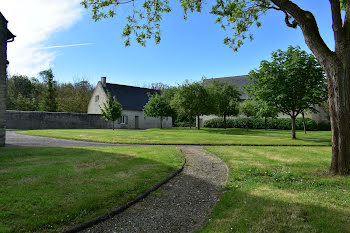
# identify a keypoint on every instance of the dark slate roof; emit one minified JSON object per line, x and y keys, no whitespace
{"x":131,"y":98}
{"x":239,"y":81}
{"x":9,"y":35}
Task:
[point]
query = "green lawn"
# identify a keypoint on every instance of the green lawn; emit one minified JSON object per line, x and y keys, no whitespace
{"x":47,"y":189}
{"x":191,"y":136}
{"x":281,"y":189}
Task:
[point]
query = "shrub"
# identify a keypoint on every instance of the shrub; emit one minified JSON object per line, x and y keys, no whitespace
{"x":271,"y":123}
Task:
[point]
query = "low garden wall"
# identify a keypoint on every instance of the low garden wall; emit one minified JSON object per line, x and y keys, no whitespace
{"x":53,"y":120}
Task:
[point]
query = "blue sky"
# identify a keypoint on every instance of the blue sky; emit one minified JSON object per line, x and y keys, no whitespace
{"x":189,"y":49}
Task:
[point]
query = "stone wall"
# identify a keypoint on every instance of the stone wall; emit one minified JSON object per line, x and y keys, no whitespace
{"x":54,"y":120}
{"x":65,"y":120}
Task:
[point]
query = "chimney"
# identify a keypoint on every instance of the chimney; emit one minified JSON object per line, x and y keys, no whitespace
{"x":103,"y":81}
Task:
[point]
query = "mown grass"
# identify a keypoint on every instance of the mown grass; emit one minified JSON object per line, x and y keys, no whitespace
{"x":281,"y":189}
{"x":190,"y":136}
{"x":47,"y":189}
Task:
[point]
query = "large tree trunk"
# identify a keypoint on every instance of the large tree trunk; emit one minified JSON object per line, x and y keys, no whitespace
{"x":338,"y":78}
{"x":293,"y":127}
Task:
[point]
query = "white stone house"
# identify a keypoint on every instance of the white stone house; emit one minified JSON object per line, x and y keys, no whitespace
{"x":133,"y":99}
{"x":240,"y":82}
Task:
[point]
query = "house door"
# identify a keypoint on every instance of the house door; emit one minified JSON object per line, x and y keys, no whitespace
{"x":136,"y":122}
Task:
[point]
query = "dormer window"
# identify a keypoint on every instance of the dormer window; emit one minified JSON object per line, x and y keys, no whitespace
{"x":97,"y":97}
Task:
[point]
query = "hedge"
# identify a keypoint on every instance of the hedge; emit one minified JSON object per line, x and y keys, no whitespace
{"x":271,"y":123}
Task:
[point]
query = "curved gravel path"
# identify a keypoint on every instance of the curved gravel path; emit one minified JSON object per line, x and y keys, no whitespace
{"x":182,"y":205}
{"x":15,"y":139}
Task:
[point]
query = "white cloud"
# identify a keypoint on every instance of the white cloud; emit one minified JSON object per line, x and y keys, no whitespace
{"x":34,"y":22}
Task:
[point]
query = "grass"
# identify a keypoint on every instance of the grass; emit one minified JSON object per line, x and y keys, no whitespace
{"x":281,"y":189}
{"x":47,"y":189}
{"x":190,"y":136}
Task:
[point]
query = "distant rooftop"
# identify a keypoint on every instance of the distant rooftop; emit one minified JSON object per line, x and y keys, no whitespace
{"x":239,"y":81}
{"x":130,"y":97}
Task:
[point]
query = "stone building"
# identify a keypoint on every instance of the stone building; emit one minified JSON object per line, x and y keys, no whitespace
{"x":5,"y":37}
{"x":132,"y":99}
{"x":240,"y":82}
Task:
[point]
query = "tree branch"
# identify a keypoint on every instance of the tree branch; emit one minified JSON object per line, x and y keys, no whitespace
{"x":308,"y":25}
{"x":337,"y":25}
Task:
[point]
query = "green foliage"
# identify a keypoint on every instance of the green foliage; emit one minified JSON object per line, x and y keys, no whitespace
{"x":23,"y":94}
{"x":271,"y":123}
{"x":225,"y":98}
{"x":111,"y":109}
{"x":266,"y":110}
{"x":293,"y":82}
{"x":74,"y":97}
{"x":191,"y":100}
{"x":49,"y":101}
{"x":157,"y":106}
{"x":143,"y":21}
{"x":249,"y":108}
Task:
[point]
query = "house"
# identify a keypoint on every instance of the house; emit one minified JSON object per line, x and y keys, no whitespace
{"x":133,"y":99}
{"x":5,"y":37}
{"x":240,"y":82}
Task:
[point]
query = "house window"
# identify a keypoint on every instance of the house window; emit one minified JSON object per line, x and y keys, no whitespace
{"x":97,"y":97}
{"x":123,"y":120}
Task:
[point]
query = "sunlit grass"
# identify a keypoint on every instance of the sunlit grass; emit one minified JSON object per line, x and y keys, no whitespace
{"x":191,"y":136}
{"x":281,"y":189}
{"x":47,"y":189}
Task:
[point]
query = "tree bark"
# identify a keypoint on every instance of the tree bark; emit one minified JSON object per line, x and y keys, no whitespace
{"x":161,"y":122}
{"x":225,"y":124}
{"x":339,"y":108}
{"x":293,"y":127}
{"x":113,"y":125}
{"x":303,"y":115}
{"x":198,"y":123}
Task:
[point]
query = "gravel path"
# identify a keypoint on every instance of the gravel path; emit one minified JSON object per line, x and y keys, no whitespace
{"x":15,"y":139}
{"x":182,"y":205}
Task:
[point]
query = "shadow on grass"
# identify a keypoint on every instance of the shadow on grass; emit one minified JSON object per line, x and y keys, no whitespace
{"x":246,"y":212}
{"x":47,"y":189}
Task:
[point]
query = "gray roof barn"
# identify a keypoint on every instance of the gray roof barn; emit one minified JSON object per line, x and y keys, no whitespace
{"x":130,"y":97}
{"x":239,"y":81}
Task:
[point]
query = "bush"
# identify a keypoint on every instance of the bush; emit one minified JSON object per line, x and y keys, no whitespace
{"x":271,"y":123}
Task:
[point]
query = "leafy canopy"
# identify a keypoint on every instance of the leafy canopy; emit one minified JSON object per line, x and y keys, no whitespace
{"x":191,"y":99}
{"x":157,"y":106}
{"x":144,"y":19}
{"x":292,"y":82}
{"x":226,"y":98}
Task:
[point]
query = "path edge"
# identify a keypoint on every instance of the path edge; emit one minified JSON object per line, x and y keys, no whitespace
{"x":122,"y":208}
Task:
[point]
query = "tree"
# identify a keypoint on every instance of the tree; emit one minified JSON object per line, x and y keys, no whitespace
{"x":49,"y":102}
{"x":265,"y":110}
{"x":112,"y":110}
{"x":226,"y":98}
{"x":192,"y":100}
{"x":249,"y":108}
{"x":157,"y":106}
{"x":292,"y":82}
{"x":74,"y":97}
{"x":240,"y":16}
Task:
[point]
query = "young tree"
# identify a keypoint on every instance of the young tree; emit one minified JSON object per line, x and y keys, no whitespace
{"x":111,"y":110}
{"x":292,"y":82}
{"x":157,"y":106}
{"x":226,"y":98}
{"x":249,"y":108}
{"x":192,"y":100}
{"x":265,"y":111}
{"x":49,"y":102}
{"x":240,"y":16}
